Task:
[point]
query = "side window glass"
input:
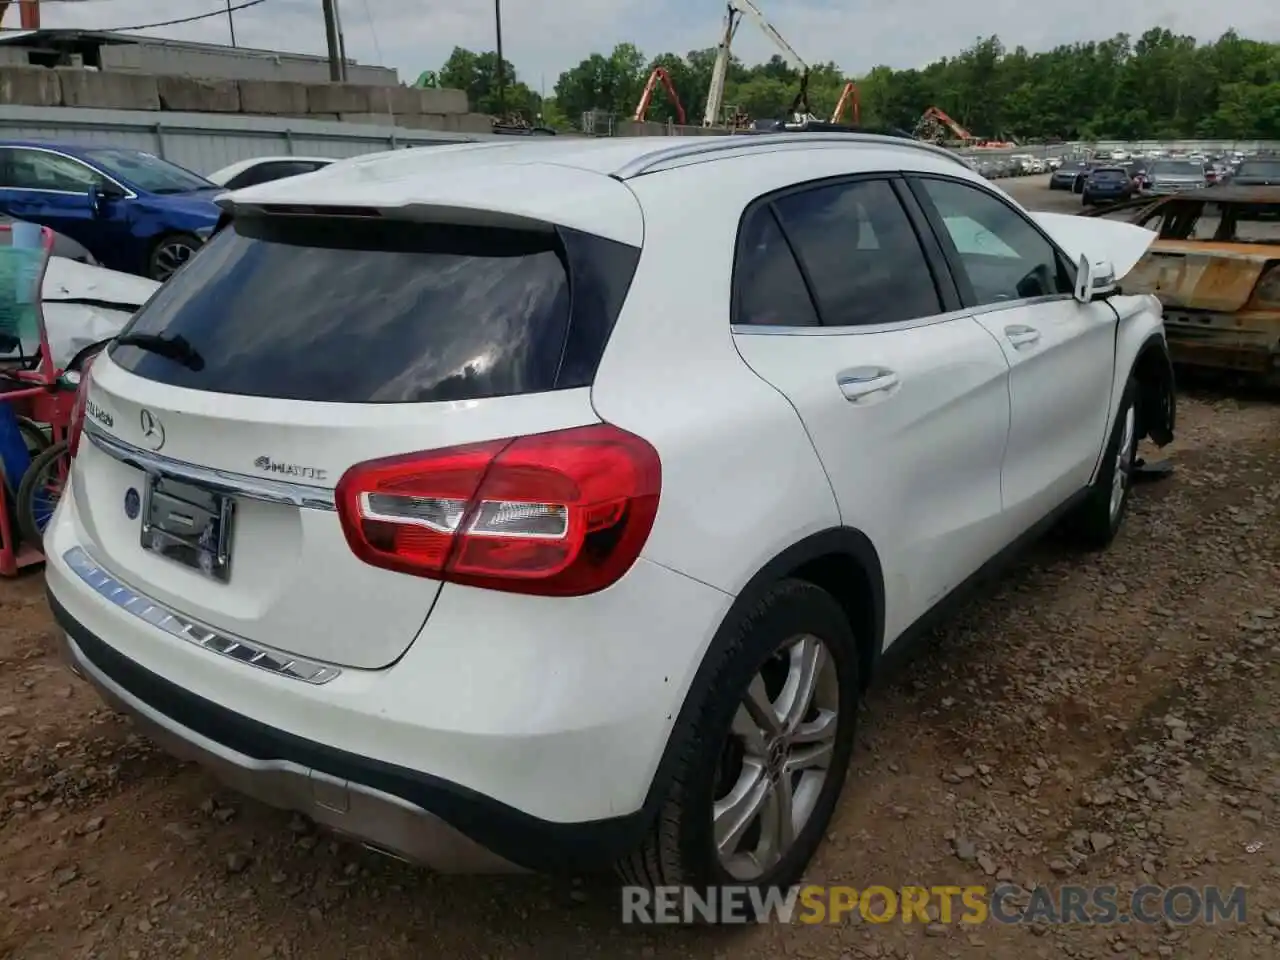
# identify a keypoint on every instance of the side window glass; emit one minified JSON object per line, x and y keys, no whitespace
{"x":1002,"y":254}
{"x":37,"y":170}
{"x":771,"y":289}
{"x":861,"y":254}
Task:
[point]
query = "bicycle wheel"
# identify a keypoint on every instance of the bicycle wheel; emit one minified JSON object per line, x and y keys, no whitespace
{"x":34,"y":434}
{"x":40,"y":491}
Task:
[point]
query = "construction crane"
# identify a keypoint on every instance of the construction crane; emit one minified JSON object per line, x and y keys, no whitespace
{"x":735,"y":11}
{"x":935,"y":123}
{"x":848,"y":99}
{"x":642,"y":108}
{"x":28,"y":11}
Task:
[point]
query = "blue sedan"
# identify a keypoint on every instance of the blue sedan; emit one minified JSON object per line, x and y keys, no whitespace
{"x":133,"y":211}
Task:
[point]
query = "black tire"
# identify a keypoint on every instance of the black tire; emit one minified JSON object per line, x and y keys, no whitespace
{"x":31,"y":518}
{"x":680,"y":849}
{"x":1094,"y":524}
{"x":34,"y":435}
{"x":166,"y":258}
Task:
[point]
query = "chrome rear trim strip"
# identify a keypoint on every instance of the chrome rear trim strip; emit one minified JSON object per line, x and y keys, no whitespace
{"x":221,"y":481}
{"x":184,"y":628}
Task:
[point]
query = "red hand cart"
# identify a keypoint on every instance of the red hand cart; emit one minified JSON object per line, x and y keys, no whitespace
{"x":36,"y":398}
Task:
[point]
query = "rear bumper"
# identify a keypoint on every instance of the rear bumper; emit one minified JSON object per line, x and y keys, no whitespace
{"x":397,"y":811}
{"x":535,"y":729}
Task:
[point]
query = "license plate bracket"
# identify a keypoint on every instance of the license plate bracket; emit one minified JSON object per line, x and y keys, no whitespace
{"x":189,"y":525}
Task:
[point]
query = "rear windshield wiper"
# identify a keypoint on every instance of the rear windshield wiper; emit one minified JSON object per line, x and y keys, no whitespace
{"x":177,"y":348}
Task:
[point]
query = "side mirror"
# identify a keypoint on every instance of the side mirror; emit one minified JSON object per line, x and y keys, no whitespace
{"x":1095,"y":280}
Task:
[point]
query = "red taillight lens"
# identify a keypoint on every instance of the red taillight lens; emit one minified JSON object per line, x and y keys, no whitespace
{"x":557,"y":514}
{"x":76,"y":425}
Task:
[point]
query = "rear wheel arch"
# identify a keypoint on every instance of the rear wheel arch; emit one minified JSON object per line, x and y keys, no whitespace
{"x":841,"y":561}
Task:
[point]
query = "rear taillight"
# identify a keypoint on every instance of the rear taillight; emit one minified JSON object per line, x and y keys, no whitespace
{"x":76,"y":425}
{"x":558,"y":514}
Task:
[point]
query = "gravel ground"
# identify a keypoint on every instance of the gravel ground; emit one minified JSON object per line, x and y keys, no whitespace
{"x":1105,"y":719}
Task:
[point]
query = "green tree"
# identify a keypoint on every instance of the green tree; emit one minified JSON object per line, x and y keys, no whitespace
{"x":1160,"y":84}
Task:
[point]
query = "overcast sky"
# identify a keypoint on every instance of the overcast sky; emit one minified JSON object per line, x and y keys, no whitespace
{"x":544,"y":37}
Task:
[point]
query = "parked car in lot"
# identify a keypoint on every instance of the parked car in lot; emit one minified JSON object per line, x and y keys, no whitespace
{"x":133,"y":211}
{"x":1216,"y":269}
{"x":1069,"y":176}
{"x":373,"y":517}
{"x":247,"y":173}
{"x":1258,"y":172}
{"x":1174,"y":176}
{"x":1106,"y":185}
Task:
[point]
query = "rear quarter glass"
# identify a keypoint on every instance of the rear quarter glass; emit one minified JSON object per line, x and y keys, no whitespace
{"x":349,"y":310}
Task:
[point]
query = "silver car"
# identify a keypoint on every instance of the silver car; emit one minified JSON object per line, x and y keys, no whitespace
{"x":1174,"y":176}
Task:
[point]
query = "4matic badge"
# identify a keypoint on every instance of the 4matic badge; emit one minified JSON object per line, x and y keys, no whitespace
{"x":298,"y":471}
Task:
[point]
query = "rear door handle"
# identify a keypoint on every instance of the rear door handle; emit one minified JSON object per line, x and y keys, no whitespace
{"x":1022,"y":336}
{"x":864,"y":381}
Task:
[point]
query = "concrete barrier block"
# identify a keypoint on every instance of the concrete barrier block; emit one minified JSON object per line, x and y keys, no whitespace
{"x":108,"y":91}
{"x":275,"y":97}
{"x":424,"y":121}
{"x":30,"y":87}
{"x":473,"y":122}
{"x":379,"y":119}
{"x":198,"y":95}
{"x":338,"y":98}
{"x":402,"y":101}
{"x":440,"y":100}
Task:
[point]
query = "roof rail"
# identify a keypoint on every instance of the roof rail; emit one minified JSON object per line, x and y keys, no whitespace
{"x":765,"y":141}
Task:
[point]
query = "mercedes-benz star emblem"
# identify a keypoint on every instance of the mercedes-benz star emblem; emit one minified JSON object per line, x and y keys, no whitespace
{"x":152,"y":429}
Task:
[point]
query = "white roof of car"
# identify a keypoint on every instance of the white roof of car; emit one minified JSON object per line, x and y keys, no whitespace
{"x":232,"y":169}
{"x":572,"y":182}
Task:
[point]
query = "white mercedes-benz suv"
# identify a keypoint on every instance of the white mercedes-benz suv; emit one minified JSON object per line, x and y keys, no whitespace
{"x":549,"y":505}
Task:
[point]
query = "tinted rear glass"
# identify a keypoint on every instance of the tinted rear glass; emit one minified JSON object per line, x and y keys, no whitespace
{"x":375,"y":312}
{"x":1110,"y":175}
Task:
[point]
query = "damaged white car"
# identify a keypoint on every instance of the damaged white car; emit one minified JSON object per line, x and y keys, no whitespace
{"x":83,"y":305}
{"x":652,"y":452}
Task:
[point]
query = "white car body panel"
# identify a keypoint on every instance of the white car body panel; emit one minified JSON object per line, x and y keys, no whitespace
{"x":464,"y":192}
{"x":284,"y":557}
{"x":1060,"y":354}
{"x":508,"y":698}
{"x":1098,"y":239}
{"x":932,"y":525}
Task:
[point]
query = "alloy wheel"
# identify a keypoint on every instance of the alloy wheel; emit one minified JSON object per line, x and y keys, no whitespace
{"x":169,"y":256}
{"x":1124,"y":463}
{"x":777,"y":757}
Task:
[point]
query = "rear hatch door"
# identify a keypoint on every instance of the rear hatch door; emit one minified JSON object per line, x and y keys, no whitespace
{"x":307,"y":345}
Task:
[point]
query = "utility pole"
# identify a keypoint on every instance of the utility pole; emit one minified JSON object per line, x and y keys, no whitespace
{"x":497,"y":24}
{"x":231,"y":23}
{"x":342,"y":40}
{"x":331,"y":39}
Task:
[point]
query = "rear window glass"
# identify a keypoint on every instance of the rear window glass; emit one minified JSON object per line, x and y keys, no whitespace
{"x":1110,"y":175}
{"x":358,"y":311}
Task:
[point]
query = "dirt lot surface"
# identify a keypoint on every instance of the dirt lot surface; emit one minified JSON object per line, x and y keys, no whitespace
{"x":1110,"y":719}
